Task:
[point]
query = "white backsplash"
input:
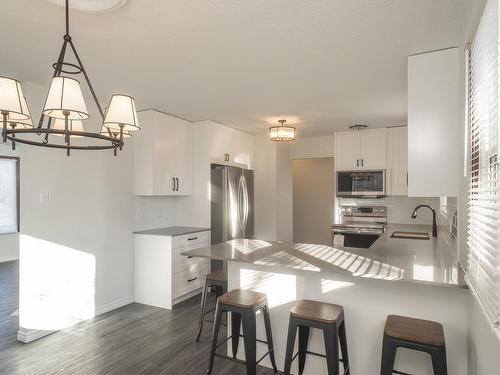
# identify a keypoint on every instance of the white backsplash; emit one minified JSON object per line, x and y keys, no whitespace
{"x":399,"y":209}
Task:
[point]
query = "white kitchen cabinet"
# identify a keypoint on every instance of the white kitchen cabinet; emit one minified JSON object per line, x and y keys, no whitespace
{"x":360,"y":149}
{"x":228,"y":145}
{"x":163,"y":155}
{"x":397,"y":161}
{"x":435,"y":117}
{"x":162,"y":276}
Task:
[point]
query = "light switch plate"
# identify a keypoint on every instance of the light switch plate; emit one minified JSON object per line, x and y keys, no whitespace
{"x":44,"y":197}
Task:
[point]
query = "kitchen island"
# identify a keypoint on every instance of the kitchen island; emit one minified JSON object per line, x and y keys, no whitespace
{"x":418,"y":278}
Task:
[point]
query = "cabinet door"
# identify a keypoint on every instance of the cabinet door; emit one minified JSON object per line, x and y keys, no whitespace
{"x":183,"y":148}
{"x":231,"y":143}
{"x":435,"y":108}
{"x":163,"y":156}
{"x":373,"y":143}
{"x":397,"y":161}
{"x":216,"y":141}
{"x":347,"y":150}
{"x":244,"y":153}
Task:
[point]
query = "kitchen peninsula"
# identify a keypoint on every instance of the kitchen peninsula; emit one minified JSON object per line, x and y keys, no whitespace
{"x":418,"y":278}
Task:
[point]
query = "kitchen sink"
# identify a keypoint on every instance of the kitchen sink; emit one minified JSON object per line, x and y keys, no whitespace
{"x":411,"y":235}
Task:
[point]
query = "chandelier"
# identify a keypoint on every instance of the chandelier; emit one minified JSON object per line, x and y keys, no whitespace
{"x":282,"y":132}
{"x":61,"y":120}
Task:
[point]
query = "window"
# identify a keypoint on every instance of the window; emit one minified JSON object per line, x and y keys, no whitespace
{"x":483,"y":259}
{"x":9,"y":195}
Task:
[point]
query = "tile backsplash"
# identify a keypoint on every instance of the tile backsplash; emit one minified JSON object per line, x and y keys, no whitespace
{"x":399,"y":209}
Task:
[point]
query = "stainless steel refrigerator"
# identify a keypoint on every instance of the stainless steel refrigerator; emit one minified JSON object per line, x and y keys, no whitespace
{"x":232,"y":209}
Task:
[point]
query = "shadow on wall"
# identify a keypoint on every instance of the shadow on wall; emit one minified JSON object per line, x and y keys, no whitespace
{"x":57,"y":285}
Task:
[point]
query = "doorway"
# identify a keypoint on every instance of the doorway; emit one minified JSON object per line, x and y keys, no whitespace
{"x":313,"y":200}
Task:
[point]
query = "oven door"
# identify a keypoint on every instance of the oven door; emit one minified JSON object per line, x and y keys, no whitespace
{"x":361,"y":184}
{"x":352,"y":238}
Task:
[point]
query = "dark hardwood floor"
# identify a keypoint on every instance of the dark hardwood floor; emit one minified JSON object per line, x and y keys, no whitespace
{"x":135,"y":339}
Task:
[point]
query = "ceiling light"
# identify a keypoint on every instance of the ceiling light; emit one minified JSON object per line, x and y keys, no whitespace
{"x":65,"y":108}
{"x":282,"y":132}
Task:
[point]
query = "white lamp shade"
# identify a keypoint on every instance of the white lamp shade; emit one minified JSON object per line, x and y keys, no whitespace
{"x":65,"y":97}
{"x":115,"y":133}
{"x":12,"y":100}
{"x":121,"y":112}
{"x":14,"y":119}
{"x":74,"y":125}
{"x":282,"y":133}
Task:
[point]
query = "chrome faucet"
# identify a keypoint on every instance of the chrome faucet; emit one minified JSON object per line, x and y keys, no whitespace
{"x":434,"y":225}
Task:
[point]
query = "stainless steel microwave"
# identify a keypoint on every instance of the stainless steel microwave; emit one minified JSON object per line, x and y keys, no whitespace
{"x":361,"y":184}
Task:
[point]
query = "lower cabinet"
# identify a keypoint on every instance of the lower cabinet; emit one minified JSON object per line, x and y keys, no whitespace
{"x":164,"y":277}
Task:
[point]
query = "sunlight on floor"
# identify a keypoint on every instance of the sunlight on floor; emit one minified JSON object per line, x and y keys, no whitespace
{"x":280,"y":288}
{"x":57,"y":285}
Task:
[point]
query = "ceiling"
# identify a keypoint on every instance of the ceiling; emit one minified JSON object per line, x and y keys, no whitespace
{"x":330,"y":63}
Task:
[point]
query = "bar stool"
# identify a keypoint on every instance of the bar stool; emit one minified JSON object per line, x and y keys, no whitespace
{"x":243,"y":306}
{"x":327,"y":317}
{"x":217,"y":280}
{"x":417,"y":334}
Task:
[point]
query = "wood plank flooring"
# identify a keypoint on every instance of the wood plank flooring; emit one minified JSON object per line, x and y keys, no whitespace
{"x":135,"y":339}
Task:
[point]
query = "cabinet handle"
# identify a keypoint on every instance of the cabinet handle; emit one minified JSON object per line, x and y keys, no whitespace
{"x":362,"y":162}
{"x":190,"y":256}
{"x":193,"y":279}
{"x":192,"y":238}
{"x":357,"y":162}
{"x":177,"y":183}
{"x":173,"y":179}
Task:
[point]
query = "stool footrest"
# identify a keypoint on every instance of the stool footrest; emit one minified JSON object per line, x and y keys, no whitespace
{"x":400,"y":372}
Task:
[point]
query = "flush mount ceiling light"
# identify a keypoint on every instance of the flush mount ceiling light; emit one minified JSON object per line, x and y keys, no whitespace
{"x":282,"y":132}
{"x":65,"y":109}
{"x":93,"y":5}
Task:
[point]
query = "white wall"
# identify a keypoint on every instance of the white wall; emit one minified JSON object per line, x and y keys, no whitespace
{"x":89,"y":215}
{"x":312,"y":147}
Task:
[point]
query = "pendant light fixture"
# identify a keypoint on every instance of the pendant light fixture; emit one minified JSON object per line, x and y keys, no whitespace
{"x":65,"y":110}
{"x":282,"y":132}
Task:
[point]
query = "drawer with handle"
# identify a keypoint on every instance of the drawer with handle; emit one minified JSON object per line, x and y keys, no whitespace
{"x":191,"y":240}
{"x":185,"y":281}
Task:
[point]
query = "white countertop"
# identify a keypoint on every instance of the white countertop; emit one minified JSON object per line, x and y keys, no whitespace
{"x":423,"y":261}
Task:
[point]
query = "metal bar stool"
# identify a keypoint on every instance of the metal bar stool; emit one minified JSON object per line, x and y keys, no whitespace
{"x":327,"y":317}
{"x":417,"y":334}
{"x":218,"y":281}
{"x":243,"y":306}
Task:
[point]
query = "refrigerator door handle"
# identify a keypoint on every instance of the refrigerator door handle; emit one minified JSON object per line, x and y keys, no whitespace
{"x":243,"y":208}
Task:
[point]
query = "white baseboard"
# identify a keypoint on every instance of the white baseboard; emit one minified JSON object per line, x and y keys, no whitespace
{"x":114,"y":305}
{"x":29,"y":335}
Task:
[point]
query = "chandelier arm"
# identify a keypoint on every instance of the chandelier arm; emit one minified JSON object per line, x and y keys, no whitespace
{"x":87,"y":79}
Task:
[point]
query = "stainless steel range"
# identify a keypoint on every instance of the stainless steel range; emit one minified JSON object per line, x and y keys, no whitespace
{"x":359,"y":226}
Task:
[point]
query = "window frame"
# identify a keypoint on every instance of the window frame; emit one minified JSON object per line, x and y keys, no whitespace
{"x":18,"y":193}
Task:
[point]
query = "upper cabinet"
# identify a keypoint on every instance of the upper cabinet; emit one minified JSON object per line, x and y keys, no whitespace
{"x":360,"y":149}
{"x":229,"y":146}
{"x":435,"y":110}
{"x":163,"y":155}
{"x":397,"y":161}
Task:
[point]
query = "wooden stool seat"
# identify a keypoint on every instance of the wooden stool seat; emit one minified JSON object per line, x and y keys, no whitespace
{"x":246,"y":299}
{"x":313,"y":310}
{"x":243,"y":306}
{"x":415,"y":334}
{"x":327,"y":317}
{"x":220,"y":276}
{"x":425,"y":332}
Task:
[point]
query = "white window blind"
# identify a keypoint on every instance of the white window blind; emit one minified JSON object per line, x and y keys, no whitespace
{"x":483,"y":263}
{"x":8,"y":196}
